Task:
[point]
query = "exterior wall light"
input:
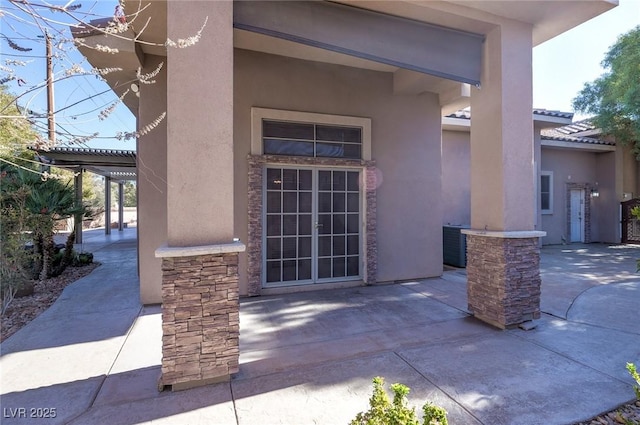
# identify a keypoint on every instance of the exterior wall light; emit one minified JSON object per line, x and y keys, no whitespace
{"x":595,"y":193}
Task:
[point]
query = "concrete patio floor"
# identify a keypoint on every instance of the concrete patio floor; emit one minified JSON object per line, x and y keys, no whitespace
{"x":309,"y":357}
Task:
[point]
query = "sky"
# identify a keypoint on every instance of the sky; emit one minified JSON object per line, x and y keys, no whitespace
{"x":78,"y":101}
{"x":562,"y":65}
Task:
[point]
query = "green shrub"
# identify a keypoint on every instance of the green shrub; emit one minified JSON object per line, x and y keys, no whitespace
{"x":434,"y":415}
{"x":383,"y":412}
{"x":634,"y":374}
{"x":82,"y":259}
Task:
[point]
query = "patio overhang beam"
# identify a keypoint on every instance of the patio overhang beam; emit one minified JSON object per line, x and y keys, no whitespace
{"x":401,"y":42}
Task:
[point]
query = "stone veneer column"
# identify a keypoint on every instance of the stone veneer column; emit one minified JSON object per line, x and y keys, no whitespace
{"x":502,"y":253}
{"x":503,"y":276}
{"x":199,"y":268}
{"x":200,"y":314}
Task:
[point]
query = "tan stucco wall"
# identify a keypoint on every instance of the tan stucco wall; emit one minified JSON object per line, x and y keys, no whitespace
{"x":200,"y":126}
{"x":405,"y":144}
{"x":456,"y":178}
{"x":571,"y":166}
{"x":567,"y":165}
{"x":502,"y":175}
{"x":152,"y":185}
{"x":628,"y":178}
{"x":607,"y":205}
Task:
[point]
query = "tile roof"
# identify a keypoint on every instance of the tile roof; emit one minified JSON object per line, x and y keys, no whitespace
{"x":577,"y":127}
{"x":567,"y":133}
{"x":550,"y":113}
{"x":466,"y":114}
{"x":562,"y":134}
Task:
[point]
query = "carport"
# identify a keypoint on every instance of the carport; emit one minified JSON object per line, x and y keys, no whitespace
{"x":116,"y":166}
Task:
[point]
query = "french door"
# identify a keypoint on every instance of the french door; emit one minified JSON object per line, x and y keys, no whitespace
{"x":577,"y":215}
{"x":312,"y":226}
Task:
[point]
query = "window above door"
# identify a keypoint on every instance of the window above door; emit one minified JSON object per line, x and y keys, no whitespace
{"x":289,"y":133}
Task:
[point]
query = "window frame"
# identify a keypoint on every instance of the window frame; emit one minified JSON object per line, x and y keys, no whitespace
{"x":548,"y":174}
{"x":260,"y":114}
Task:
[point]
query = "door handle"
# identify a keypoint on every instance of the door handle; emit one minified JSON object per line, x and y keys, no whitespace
{"x":318,"y":225}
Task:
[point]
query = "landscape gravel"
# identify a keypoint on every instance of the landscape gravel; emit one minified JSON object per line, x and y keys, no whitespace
{"x":22,"y":310}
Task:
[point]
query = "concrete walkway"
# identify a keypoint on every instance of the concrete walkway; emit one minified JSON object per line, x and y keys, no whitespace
{"x":308,"y":358}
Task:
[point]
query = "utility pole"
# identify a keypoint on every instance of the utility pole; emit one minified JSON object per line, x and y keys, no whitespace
{"x":51,"y":124}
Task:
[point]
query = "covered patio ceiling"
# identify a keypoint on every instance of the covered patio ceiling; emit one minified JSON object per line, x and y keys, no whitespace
{"x":548,"y":18}
{"x":119,"y":165}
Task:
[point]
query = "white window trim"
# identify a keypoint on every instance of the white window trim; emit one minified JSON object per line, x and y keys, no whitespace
{"x":259,"y":114}
{"x":550,"y":175}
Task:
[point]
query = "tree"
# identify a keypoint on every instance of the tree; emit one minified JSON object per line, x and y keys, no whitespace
{"x":15,"y":133}
{"x":614,"y":97}
{"x":40,"y":204}
{"x":130,"y":194}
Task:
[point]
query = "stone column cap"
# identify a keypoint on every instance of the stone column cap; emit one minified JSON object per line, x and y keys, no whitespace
{"x":192,"y":251}
{"x":513,"y":234}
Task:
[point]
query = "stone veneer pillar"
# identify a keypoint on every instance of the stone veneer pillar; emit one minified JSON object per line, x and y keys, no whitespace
{"x":200,"y":314}
{"x":503,"y":276}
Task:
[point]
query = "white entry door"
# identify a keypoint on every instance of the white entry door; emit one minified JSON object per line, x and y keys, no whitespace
{"x":313,"y":220}
{"x":577,"y":215}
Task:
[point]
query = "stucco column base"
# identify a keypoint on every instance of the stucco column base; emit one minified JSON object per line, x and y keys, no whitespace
{"x":503,"y":276}
{"x":200,"y":315}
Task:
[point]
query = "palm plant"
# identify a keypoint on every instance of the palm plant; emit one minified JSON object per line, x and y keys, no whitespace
{"x":47,"y":202}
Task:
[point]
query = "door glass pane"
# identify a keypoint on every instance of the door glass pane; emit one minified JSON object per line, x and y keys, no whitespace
{"x":273,"y":248}
{"x":352,"y":223}
{"x":338,"y":266}
{"x":304,"y":224}
{"x":338,"y":202}
{"x":324,"y":202}
{"x":289,"y":224}
{"x":339,"y":180}
{"x":290,"y":202}
{"x":274,"y":178}
{"x":324,"y":268}
{"x":353,"y":202}
{"x":273,"y":271}
{"x":289,"y":179}
{"x":324,"y":246}
{"x":353,"y":266}
{"x":338,"y":223}
{"x":324,"y":180}
{"x":304,"y":269}
{"x":338,"y":245}
{"x":304,"y":180}
{"x":273,"y":202}
{"x":304,"y":247}
{"x":353,"y":181}
{"x":324,"y":224}
{"x":304,"y":202}
{"x":289,"y":270}
{"x":353,"y":245}
{"x":273,"y":225}
{"x":289,"y":247}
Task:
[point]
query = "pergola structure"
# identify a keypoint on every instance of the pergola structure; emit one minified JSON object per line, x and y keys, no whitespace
{"x":117,"y":166}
